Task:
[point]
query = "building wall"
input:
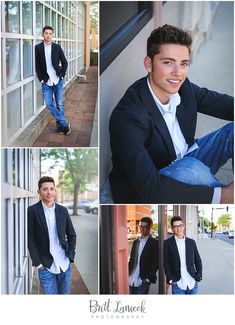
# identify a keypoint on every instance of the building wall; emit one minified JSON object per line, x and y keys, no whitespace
{"x":21,"y":28}
{"x":20,"y":173}
{"x":134,"y":215}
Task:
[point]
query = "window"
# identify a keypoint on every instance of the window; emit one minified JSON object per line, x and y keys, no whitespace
{"x":12,"y":16}
{"x":27,"y":58}
{"x":39,"y":18}
{"x":28,"y":101}
{"x":13,"y":112}
{"x":12,"y":61}
{"x":128,"y":18}
{"x":27,"y":17}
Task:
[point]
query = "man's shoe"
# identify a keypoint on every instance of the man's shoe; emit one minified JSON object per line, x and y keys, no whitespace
{"x":60,"y":129}
{"x":67,"y":129}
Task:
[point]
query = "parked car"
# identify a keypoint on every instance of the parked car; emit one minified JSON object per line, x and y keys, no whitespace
{"x":231,"y":234}
{"x":82,"y":204}
{"x":93,"y":207}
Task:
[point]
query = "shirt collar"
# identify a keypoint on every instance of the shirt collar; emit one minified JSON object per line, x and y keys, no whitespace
{"x":46,"y":208}
{"x":174,"y":101}
{"x":144,"y":239}
{"x":179,"y":239}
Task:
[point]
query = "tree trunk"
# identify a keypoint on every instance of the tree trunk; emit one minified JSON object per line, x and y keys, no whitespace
{"x":75,"y":200}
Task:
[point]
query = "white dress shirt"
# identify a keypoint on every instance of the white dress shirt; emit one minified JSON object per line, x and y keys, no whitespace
{"x":168,"y":112}
{"x":134,"y":278}
{"x":60,"y":261}
{"x":53,"y":78}
{"x":186,"y":279}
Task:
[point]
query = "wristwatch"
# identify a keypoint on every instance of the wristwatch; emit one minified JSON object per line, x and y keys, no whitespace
{"x":170,"y":282}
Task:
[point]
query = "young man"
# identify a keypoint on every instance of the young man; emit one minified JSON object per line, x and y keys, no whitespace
{"x":51,"y":66}
{"x":143,"y":263}
{"x":182,"y":262}
{"x":154,"y":125}
{"x":51,"y":240}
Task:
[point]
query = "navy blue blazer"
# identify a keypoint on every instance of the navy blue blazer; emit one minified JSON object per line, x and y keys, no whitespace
{"x":149,"y":260}
{"x":141,"y":144}
{"x":38,"y":236}
{"x":172,"y":260}
{"x":58,"y":60}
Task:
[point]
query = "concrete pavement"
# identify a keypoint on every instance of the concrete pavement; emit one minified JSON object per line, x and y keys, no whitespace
{"x":218,"y":266}
{"x":86,"y":259}
{"x":213,"y":69}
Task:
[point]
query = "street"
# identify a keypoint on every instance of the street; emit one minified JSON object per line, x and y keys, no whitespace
{"x":86,"y":259}
{"x":225,"y":238}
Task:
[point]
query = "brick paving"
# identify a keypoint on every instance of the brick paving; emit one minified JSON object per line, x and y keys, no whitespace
{"x":80,"y":103}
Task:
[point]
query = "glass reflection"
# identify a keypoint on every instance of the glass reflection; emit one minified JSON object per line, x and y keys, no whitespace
{"x":12,"y":61}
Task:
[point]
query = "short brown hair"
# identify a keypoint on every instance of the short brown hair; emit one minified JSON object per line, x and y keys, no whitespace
{"x":147,"y":220}
{"x":167,"y":34}
{"x":47,"y":27}
{"x":173,"y":219}
{"x":45,"y":179}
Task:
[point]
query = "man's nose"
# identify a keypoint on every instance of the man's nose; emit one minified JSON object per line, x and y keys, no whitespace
{"x":177,"y":71}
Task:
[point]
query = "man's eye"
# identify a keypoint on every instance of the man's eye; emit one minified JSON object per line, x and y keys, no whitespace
{"x":167,"y":62}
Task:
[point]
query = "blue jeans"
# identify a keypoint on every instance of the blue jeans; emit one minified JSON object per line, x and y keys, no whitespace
{"x":199,"y":166}
{"x":143,"y":289}
{"x":177,"y":291}
{"x":58,"y":111}
{"x":53,"y":284}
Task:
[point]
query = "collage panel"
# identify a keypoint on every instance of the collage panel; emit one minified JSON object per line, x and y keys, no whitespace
{"x":167,"y":249}
{"x":49,"y":221}
{"x":49,"y":73}
{"x":166,"y":132}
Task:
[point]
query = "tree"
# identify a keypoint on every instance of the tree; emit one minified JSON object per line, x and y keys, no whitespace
{"x":224,"y":220}
{"x":94,"y":17}
{"x":80,"y":168}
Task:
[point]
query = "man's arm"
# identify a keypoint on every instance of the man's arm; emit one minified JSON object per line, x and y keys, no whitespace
{"x":37,"y":64}
{"x":166,"y":261}
{"x":71,"y":237}
{"x":32,"y":246}
{"x":213,"y":103}
{"x":197,"y":262}
{"x":227,"y":194}
{"x":63,"y":61}
{"x":128,"y":133}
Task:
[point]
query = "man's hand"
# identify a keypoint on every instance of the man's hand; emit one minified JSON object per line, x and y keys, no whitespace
{"x":227,"y":194}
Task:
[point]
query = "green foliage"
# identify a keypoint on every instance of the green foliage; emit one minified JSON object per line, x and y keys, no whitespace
{"x":94,"y":16}
{"x":80,"y":166}
{"x":224,"y":220}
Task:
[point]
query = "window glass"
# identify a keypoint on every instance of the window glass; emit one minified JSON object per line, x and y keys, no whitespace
{"x":12,"y":16}
{"x":47,"y":16}
{"x":39,"y":18}
{"x":39,"y":94}
{"x":28,"y":101}
{"x":12,"y":61}
{"x":27,"y":58}
{"x":53,"y":23}
{"x":13,"y":111}
{"x":27,"y":17}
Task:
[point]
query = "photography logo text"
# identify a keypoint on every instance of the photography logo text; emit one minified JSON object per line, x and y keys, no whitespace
{"x":116,"y":309}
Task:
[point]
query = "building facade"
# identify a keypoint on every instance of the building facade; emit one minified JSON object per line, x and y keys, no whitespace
{"x":20,"y":174}
{"x":21,"y":30}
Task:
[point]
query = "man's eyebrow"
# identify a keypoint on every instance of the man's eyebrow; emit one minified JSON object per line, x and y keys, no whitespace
{"x":172,"y":59}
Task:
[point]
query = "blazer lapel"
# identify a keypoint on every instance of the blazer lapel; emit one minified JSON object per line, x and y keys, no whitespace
{"x":157,"y":117}
{"x":58,"y":219}
{"x":42,"y":218}
{"x":175,"y":249}
{"x":43,"y":56}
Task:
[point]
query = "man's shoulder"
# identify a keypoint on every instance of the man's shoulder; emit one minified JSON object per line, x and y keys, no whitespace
{"x":35,"y":205}
{"x":38,"y":46}
{"x":189,"y":240}
{"x":60,"y":207}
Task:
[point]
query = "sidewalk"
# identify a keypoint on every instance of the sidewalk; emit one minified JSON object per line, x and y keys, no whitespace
{"x":213,"y":69}
{"x":86,"y":258}
{"x":218,"y":266}
{"x":80,"y":105}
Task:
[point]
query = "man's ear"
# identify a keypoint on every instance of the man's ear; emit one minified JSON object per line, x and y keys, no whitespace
{"x":148,"y":64}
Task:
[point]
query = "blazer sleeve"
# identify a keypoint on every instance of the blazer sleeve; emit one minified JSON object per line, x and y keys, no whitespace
{"x":129,"y":129}
{"x":213,"y":103}
{"x":71,"y":238}
{"x":37,"y":63}
{"x":32,"y":246}
{"x":63,"y":61}
{"x":197,"y":263}
{"x":155,"y":260}
{"x":166,"y":261}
